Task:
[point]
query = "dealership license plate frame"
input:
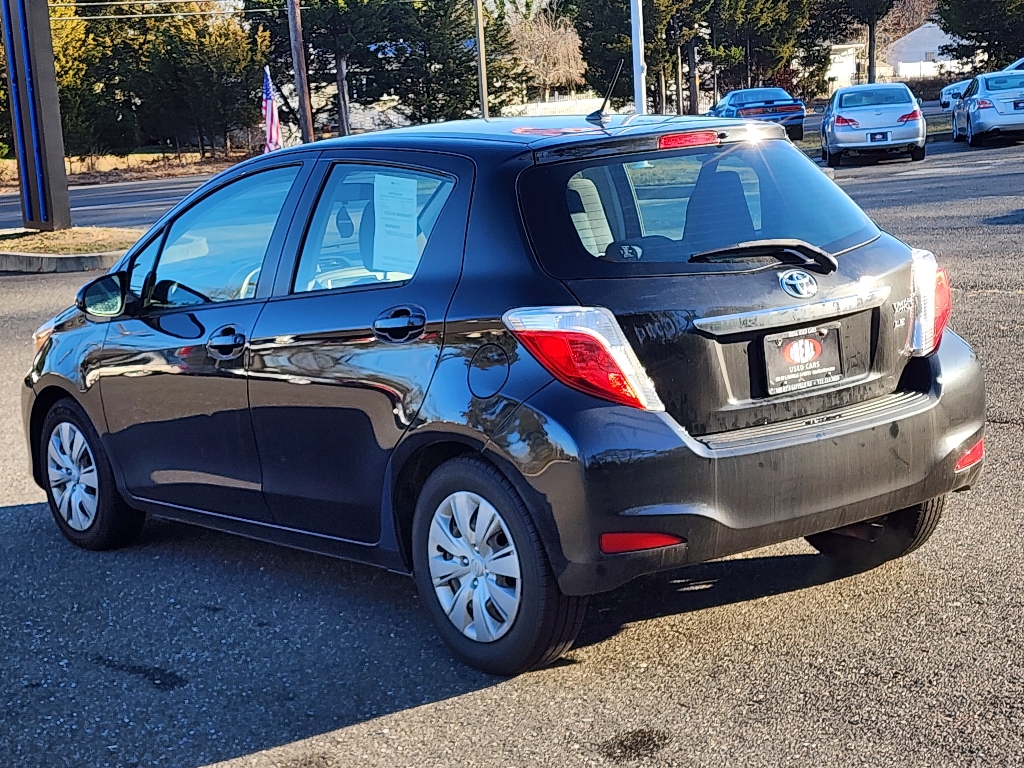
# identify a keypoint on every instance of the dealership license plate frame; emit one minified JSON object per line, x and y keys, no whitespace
{"x":1019,"y":104}
{"x":878,"y":136}
{"x":782,"y":376}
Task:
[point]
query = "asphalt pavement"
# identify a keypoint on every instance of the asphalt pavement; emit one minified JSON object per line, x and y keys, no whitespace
{"x":122,"y":204}
{"x":192,"y":647}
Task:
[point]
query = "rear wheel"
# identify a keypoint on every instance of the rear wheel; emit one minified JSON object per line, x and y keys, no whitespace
{"x":483,"y":574}
{"x":869,"y":544}
{"x":833,"y":160}
{"x":973,"y":139}
{"x":795,"y":133}
{"x":80,"y":485}
{"x":917,"y":154}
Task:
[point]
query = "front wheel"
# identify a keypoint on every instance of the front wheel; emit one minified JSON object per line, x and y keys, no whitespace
{"x":80,"y":485}
{"x":482,"y":572}
{"x":869,"y":544}
{"x":957,"y":136}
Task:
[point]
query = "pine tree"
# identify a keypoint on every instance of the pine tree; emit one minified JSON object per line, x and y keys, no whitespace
{"x":993,"y":29}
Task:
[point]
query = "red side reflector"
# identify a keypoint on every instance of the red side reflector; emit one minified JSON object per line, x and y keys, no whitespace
{"x":615,"y":543}
{"x":691,"y":139}
{"x":974,"y":454}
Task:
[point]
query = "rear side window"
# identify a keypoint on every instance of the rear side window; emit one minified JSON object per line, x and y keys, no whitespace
{"x":874,"y":97}
{"x":760,"y":94}
{"x":370,"y":226}
{"x":650,"y":213}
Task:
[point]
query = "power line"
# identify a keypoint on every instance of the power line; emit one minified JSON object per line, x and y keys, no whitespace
{"x":161,"y":15}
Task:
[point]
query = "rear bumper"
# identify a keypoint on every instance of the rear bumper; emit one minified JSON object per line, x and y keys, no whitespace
{"x":1000,"y":124}
{"x":899,"y":139}
{"x":597,"y":468}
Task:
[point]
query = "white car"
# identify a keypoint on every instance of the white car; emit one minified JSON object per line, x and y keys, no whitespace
{"x":946,"y":96}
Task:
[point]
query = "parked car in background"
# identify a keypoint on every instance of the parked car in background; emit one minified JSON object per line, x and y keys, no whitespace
{"x":773,"y":105}
{"x":524,"y":360}
{"x":881,"y":120}
{"x":951,"y":94}
{"x":992,"y":105}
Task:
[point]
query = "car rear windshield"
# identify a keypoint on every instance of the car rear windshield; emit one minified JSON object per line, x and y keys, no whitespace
{"x":760,"y":94}
{"x":1005,"y":83}
{"x":649,"y":213}
{"x":874,"y":97}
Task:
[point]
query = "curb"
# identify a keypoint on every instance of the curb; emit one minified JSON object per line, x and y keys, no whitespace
{"x":38,"y":263}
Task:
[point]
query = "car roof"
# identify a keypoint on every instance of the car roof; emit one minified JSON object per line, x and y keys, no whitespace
{"x":1018,"y":64}
{"x":872,"y":86}
{"x":535,"y":133}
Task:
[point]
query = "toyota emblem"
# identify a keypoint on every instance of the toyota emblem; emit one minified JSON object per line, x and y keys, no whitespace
{"x":798,"y":283}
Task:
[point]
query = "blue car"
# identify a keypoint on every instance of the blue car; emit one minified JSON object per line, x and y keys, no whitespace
{"x":773,"y":105}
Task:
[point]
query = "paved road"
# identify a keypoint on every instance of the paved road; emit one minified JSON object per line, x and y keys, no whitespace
{"x":124,"y":204}
{"x":192,"y":647}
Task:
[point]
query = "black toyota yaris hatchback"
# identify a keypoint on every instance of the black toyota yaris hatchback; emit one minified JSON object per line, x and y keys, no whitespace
{"x":524,"y":360}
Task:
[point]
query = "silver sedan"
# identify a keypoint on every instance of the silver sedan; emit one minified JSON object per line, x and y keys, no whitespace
{"x":992,"y":105}
{"x":880,"y":119}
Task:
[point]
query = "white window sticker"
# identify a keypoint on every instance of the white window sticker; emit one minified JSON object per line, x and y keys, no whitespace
{"x":395,"y":248}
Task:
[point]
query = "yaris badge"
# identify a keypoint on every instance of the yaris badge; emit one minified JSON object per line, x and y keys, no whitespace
{"x":798,"y":283}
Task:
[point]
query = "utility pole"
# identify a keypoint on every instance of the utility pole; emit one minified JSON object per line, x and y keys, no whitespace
{"x":679,"y":79}
{"x":636,"y":20}
{"x":481,"y":60}
{"x":692,"y":68}
{"x":299,"y":65}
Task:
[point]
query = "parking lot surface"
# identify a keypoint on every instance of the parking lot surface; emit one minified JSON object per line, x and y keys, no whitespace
{"x":193,"y":647}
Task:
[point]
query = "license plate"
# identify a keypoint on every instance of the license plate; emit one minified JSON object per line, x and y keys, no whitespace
{"x":1018,"y":104}
{"x":810,"y":357}
{"x":878,"y":136}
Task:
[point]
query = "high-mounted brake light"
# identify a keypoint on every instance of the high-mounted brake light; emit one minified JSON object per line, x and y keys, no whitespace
{"x":971,"y":456}
{"x":689,"y":139}
{"x":617,"y":543}
{"x":847,"y":121}
{"x":933,"y":303}
{"x":584,"y":348}
{"x":915,"y":115}
{"x":984,"y":104}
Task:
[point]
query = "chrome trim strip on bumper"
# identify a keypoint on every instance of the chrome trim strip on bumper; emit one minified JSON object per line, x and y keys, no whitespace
{"x":723,"y":325}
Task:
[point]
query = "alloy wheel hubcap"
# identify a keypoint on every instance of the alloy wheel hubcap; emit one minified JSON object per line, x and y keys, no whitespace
{"x":71,"y":470}
{"x":474,"y":566}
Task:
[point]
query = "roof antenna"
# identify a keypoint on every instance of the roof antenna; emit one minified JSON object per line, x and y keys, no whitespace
{"x":599,"y":117}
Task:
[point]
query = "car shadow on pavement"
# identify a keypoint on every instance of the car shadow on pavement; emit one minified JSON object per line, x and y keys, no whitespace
{"x":191,"y":646}
{"x":698,"y":587}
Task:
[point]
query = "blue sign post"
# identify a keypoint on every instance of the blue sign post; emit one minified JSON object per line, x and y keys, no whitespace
{"x":35,"y":110}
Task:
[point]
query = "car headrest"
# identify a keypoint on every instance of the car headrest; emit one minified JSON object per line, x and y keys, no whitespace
{"x":717,"y":214}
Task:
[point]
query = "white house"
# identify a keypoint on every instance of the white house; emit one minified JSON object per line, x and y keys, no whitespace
{"x":918,"y":54}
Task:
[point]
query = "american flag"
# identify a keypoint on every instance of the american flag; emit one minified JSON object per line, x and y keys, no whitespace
{"x":270,"y":121}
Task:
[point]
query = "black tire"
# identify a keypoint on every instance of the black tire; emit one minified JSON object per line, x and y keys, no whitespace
{"x":901,"y":533}
{"x":973,"y":139}
{"x":795,"y":133}
{"x":917,"y":154}
{"x":114,"y":523}
{"x":824,"y":151}
{"x":833,"y":160}
{"x":547,"y":621}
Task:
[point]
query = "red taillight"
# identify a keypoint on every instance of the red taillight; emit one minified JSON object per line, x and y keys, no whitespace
{"x":690,"y":139}
{"x":581,"y":361}
{"x":915,"y":115}
{"x":584,"y":348}
{"x":943,"y":303}
{"x":790,"y":108}
{"x":848,"y":122}
{"x":984,"y":104}
{"x":973,"y":455}
{"x":750,"y":111}
{"x":617,"y":543}
{"x":933,"y":303}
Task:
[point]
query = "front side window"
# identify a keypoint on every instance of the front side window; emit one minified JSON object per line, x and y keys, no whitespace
{"x":370,"y":226}
{"x":214,"y":251}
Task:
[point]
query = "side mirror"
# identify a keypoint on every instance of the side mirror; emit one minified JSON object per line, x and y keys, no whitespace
{"x":819,"y":109}
{"x":104,"y":296}
{"x":956,"y":95}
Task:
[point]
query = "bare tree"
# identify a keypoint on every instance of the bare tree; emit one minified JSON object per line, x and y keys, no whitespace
{"x":549,"y":48}
{"x":904,"y":18}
